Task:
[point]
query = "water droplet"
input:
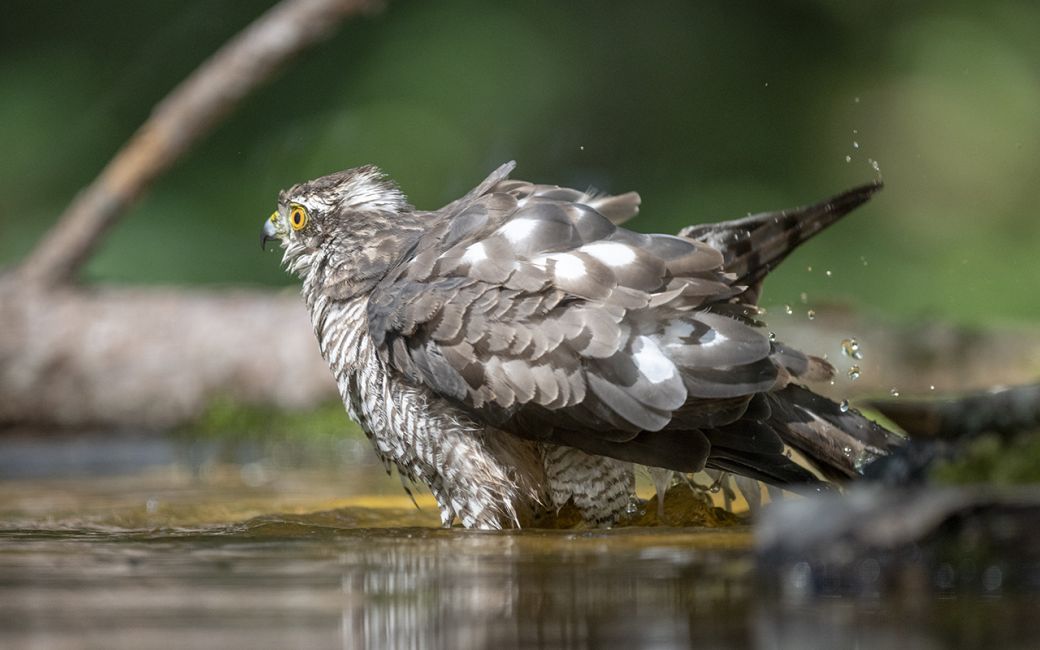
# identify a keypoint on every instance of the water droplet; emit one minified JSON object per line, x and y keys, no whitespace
{"x":788,"y":310}
{"x":582,"y":147}
{"x":847,"y":451}
{"x":787,"y":452}
{"x":809,"y":269}
{"x":992,"y":578}
{"x":811,"y":314}
{"x":875,"y":165}
{"x":863,"y":259}
{"x":798,"y":582}
{"x":865,"y":457}
{"x":855,"y":145}
{"x":848,"y":159}
{"x":854,"y":372}
{"x":894,"y":392}
{"x":844,"y":406}
{"x":855,"y":100}
{"x":151,"y":506}
{"x":855,"y":131}
{"x":715,"y":488}
{"x":804,"y":297}
{"x":772,"y":336}
{"x":850,"y":348}
{"x":932,"y":387}
{"x":828,"y":273}
{"x":635,"y":506}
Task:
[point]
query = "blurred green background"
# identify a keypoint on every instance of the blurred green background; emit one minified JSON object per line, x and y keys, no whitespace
{"x":709,"y":109}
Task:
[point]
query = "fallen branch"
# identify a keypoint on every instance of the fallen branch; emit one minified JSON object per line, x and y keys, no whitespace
{"x":153,"y":357}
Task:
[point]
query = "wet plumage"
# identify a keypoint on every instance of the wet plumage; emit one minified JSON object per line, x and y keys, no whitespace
{"x":518,"y":349}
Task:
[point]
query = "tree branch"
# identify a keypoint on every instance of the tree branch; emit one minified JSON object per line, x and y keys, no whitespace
{"x":187,"y":114}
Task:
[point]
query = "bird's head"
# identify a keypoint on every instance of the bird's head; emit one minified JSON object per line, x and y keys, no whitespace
{"x":340,"y":220}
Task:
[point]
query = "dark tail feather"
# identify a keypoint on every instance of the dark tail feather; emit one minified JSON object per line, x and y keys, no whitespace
{"x":840,"y":443}
{"x":750,"y":447}
{"x":755,"y":245}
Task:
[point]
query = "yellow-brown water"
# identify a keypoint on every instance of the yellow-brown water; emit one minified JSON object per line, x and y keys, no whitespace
{"x":135,"y":542}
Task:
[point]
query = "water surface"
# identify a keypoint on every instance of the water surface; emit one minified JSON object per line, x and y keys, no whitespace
{"x":139,"y":542}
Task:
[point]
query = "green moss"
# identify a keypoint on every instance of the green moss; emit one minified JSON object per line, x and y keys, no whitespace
{"x":990,"y":459}
{"x":229,"y":419}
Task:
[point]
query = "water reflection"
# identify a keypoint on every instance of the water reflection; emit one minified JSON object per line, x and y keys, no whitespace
{"x":169,"y":557}
{"x":412,"y":588}
{"x":465,"y":590}
{"x":421,"y":588}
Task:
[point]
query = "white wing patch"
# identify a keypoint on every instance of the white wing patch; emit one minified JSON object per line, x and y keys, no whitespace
{"x":718,"y":339}
{"x":610,"y":253}
{"x":474,"y":253}
{"x":565,"y":265}
{"x":651,"y":361}
{"x":518,"y":229}
{"x":678,"y":329}
{"x":568,"y":267}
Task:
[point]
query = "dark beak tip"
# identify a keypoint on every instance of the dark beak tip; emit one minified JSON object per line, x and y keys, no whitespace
{"x":267,"y":234}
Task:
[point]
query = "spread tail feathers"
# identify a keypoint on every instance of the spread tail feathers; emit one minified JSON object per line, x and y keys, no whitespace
{"x":755,"y":245}
{"x":836,"y":441}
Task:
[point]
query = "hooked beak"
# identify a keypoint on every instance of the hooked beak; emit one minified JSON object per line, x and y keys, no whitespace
{"x":268,"y":234}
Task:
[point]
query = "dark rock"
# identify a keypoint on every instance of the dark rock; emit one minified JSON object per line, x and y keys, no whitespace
{"x":877,"y":540}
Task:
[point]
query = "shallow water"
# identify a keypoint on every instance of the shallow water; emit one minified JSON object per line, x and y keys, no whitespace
{"x":141,"y":542}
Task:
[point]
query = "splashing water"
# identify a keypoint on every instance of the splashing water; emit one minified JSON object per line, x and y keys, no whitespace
{"x":850,"y":348}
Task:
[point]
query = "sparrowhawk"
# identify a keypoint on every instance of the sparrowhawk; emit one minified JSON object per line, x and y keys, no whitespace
{"x":517,"y":349}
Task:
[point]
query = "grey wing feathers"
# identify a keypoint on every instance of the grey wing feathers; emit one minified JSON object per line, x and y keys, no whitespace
{"x":532,"y":309}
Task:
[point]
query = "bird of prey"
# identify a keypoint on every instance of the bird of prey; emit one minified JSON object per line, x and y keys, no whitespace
{"x":517,"y":349}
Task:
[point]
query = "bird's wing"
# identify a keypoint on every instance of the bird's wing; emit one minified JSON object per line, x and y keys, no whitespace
{"x":531,"y":309}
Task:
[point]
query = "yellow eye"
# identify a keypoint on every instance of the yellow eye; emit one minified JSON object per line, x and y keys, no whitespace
{"x":297,"y":217}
